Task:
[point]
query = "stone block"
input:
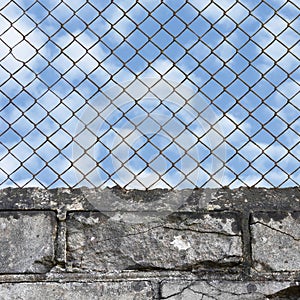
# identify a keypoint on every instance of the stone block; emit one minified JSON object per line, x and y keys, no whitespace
{"x":229,"y":290}
{"x":179,"y":242}
{"x":130,"y":290}
{"x":276,"y":241}
{"x":27,"y":241}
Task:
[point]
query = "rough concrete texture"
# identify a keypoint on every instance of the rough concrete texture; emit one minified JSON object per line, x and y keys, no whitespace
{"x":159,"y":244}
{"x":180,"y":242}
{"x":229,"y":290}
{"x":65,"y":199}
{"x":130,"y":290}
{"x":276,"y":241}
{"x":27,"y":242}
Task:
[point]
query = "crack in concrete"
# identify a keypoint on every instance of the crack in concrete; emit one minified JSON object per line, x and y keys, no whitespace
{"x":203,"y":294}
{"x":119,"y":237}
{"x":180,"y":292}
{"x":292,"y":292}
{"x":229,"y":292}
{"x":155,"y":227}
{"x":200,"y":231}
{"x":278,"y":230}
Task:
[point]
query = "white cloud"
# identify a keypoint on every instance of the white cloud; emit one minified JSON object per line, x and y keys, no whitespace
{"x":9,"y":164}
{"x":10,"y":10}
{"x":289,"y":88}
{"x":22,"y":51}
{"x":125,"y":26}
{"x":11,"y":64}
{"x":21,"y":55}
{"x":4,"y":25}
{"x":237,"y":12}
{"x":277,"y":50}
{"x":147,"y":126}
{"x":225,"y":4}
{"x":12,"y":37}
{"x":225,"y":51}
{"x":276,"y":25}
{"x":213,"y":13}
{"x":74,"y":5}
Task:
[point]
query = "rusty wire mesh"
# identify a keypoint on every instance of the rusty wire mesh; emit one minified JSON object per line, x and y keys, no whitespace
{"x":147,"y":94}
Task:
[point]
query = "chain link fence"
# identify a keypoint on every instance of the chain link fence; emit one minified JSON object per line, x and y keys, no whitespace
{"x":149,"y":94}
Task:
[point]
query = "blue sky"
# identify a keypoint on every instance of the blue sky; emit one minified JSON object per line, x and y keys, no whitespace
{"x":184,"y":99}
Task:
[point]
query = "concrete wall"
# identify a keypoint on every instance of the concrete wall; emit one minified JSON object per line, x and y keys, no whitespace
{"x":116,"y":244}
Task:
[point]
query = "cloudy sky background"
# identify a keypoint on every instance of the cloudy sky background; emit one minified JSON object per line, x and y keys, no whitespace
{"x":107,"y":93}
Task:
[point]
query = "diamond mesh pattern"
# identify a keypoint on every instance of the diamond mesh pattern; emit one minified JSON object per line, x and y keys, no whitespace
{"x":147,"y":94}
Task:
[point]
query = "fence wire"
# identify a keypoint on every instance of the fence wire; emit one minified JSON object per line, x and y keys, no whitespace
{"x":149,"y":94}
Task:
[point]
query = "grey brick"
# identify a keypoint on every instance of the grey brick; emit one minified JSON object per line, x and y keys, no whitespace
{"x":228,"y":290}
{"x":27,"y":241}
{"x":276,"y":241}
{"x":180,"y":242}
{"x":134,"y":290}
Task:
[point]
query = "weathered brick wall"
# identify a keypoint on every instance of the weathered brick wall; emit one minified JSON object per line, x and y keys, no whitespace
{"x":217,"y":244}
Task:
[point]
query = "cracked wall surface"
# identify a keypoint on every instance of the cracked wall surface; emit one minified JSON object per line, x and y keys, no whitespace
{"x":214,"y":244}
{"x":182,"y":243}
{"x":276,"y":241}
{"x":228,"y":290}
